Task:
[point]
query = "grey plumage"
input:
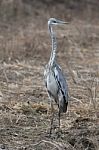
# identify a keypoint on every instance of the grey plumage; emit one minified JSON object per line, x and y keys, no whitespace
{"x":54,"y":79}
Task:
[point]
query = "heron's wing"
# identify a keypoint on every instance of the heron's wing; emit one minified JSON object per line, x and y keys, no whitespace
{"x":61,"y":81}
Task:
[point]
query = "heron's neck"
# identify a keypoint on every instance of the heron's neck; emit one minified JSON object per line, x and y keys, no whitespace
{"x":54,"y":47}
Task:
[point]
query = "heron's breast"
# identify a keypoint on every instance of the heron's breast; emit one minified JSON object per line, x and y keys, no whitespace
{"x":52,"y":84}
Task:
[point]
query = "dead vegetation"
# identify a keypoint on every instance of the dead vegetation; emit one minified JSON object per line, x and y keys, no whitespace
{"x":24,"y":104}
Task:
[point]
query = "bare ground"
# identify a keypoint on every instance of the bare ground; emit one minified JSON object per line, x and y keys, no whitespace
{"x":24,"y":104}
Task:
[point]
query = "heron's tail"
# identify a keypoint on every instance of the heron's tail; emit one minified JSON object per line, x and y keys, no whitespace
{"x":63,"y":106}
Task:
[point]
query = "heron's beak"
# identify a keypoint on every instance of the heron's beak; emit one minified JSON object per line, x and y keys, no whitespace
{"x":62,"y":22}
{"x":65,"y":23}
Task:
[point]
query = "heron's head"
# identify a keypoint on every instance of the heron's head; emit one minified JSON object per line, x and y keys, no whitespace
{"x":53,"y":21}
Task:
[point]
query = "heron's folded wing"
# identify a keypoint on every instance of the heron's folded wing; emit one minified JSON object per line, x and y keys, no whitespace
{"x":61,"y":81}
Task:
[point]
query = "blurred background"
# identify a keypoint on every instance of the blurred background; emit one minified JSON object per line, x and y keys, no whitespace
{"x":24,"y":22}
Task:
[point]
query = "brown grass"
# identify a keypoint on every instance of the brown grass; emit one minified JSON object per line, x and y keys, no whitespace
{"x":24,"y":105}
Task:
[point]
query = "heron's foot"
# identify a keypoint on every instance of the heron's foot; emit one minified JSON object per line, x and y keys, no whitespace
{"x":58,"y":132}
{"x":49,"y":133}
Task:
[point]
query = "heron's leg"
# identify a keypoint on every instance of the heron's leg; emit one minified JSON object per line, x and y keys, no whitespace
{"x":52,"y":117}
{"x":59,"y":118}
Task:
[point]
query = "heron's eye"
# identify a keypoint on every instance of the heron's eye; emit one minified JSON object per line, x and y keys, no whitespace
{"x":54,"y":21}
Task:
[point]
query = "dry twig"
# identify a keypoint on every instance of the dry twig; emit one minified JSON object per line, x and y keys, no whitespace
{"x":58,"y":145}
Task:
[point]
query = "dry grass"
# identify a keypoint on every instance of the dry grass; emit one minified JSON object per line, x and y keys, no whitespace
{"x":24,"y":104}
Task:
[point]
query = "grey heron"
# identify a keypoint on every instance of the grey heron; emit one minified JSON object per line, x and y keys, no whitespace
{"x":55,"y":81}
